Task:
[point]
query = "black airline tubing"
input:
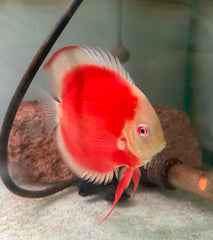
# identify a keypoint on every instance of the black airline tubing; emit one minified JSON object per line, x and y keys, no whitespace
{"x":16,"y":100}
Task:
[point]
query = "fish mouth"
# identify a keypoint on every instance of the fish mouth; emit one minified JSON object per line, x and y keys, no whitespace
{"x":162,"y":146}
{"x":145,"y":159}
{"x":160,"y":149}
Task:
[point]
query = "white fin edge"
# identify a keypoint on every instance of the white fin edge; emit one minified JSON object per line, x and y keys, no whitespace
{"x":69,"y":58}
{"x":89,"y":175}
{"x":49,"y":106}
{"x":105,"y":59}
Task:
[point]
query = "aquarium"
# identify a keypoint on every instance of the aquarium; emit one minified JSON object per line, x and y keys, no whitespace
{"x":166,"y":48}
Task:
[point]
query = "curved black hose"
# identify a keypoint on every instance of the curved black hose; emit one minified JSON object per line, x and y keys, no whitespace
{"x":16,"y":100}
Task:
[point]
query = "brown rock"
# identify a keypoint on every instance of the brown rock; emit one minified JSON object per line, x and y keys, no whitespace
{"x":182,"y":142}
{"x":34,"y":157}
{"x":32,"y":153}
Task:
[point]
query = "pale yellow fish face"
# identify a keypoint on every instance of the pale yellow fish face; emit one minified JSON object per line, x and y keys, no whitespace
{"x":144,"y":135}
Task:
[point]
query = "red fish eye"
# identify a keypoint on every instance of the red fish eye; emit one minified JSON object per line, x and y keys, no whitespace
{"x":142,"y":130}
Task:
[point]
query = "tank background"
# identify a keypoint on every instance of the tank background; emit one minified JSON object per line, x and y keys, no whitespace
{"x":155,"y":32}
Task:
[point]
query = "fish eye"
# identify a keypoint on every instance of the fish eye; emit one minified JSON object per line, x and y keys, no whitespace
{"x":142,"y":130}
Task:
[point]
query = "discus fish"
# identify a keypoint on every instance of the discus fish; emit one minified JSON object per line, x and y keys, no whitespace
{"x":102,"y":120}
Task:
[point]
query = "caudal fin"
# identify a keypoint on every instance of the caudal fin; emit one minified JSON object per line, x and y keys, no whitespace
{"x":124,"y":183}
{"x":49,"y":106}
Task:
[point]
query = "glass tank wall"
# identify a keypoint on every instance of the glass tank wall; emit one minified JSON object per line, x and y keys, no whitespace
{"x":170,"y":45}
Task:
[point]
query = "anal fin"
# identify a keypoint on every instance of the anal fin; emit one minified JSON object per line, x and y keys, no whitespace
{"x":136,"y":178}
{"x":124,"y":183}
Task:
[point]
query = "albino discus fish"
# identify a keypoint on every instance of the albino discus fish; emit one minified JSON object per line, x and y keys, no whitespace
{"x":103,"y":120}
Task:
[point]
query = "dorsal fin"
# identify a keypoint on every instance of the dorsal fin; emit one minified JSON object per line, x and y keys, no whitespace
{"x":68,"y":58}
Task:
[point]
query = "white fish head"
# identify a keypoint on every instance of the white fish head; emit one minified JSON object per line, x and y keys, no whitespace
{"x":143,"y":134}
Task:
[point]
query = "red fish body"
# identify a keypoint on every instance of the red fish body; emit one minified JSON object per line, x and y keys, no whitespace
{"x":99,"y":117}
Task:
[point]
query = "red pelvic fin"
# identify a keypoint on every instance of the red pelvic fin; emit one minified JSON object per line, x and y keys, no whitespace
{"x":136,"y":178}
{"x":124,"y":183}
